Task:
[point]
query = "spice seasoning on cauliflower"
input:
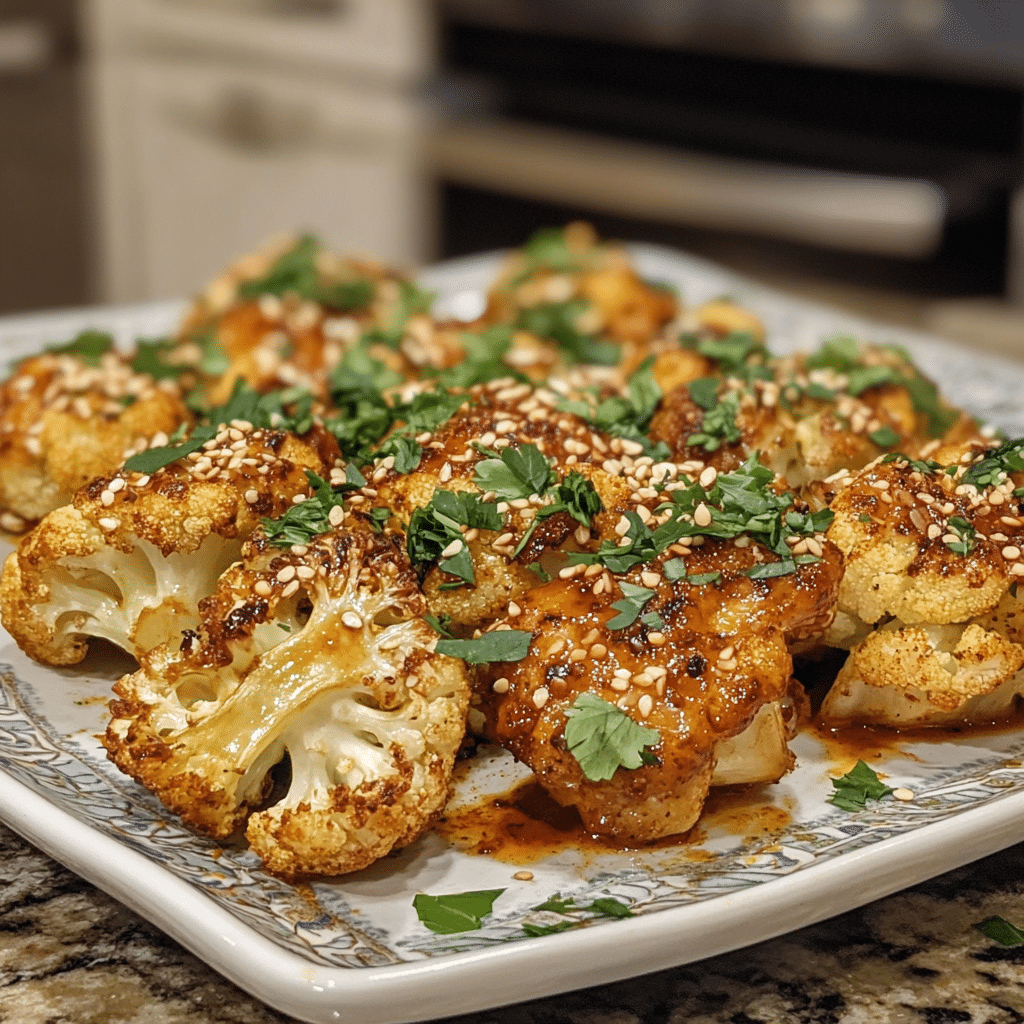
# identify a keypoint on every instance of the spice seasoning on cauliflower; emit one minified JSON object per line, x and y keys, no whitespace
{"x":317,"y":656}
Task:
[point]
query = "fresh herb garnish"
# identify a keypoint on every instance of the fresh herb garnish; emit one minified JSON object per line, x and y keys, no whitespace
{"x":455,"y":912}
{"x":435,"y":529}
{"x":546,"y":249}
{"x":148,"y":358}
{"x":501,"y":645}
{"x":295,"y":272}
{"x":884,"y":437}
{"x":1001,"y":930}
{"x":996,"y":465}
{"x":89,"y":346}
{"x":482,"y":359}
{"x":557,"y":322}
{"x":516,"y":473}
{"x":856,"y":787}
{"x":965,"y":534}
{"x":603,"y":738}
{"x":733,"y":353}
{"x":630,"y":607}
{"x":411,"y":300}
{"x":306,"y":520}
{"x":719,"y":424}
{"x":603,"y":906}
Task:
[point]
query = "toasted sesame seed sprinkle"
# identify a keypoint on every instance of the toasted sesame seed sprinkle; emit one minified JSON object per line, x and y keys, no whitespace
{"x":290,"y":589}
{"x":578,"y":654}
{"x":540,"y":697}
{"x":645,"y":705}
{"x":453,"y":548}
{"x":500,"y":685}
{"x":352,"y":620}
{"x":656,"y":638}
{"x":902,"y":793}
{"x":263,"y":588}
{"x":109,"y":523}
{"x":1010,"y":552}
{"x":702,"y":515}
{"x":305,"y":572}
{"x":286,"y":574}
{"x":1017,"y":569}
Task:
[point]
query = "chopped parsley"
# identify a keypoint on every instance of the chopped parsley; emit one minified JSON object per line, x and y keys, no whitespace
{"x":965,"y":534}
{"x":740,"y":502}
{"x":244,"y":404}
{"x":501,"y":645}
{"x":856,"y":787}
{"x":734,"y":353}
{"x":295,"y":272}
{"x":546,"y":249}
{"x":436,"y":528}
{"x":630,"y":607}
{"x":557,"y":321}
{"x":515,"y":473}
{"x":455,"y":912}
{"x":149,"y":359}
{"x":89,"y":346}
{"x":308,"y":519}
{"x":1001,"y":931}
{"x":603,"y":906}
{"x":482,"y":359}
{"x":884,"y":437}
{"x":603,"y":738}
{"x":411,"y":300}
{"x":996,"y":465}
{"x":719,"y":424}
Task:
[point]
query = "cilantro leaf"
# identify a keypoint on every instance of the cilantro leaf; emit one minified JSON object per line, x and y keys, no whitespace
{"x":517,"y":473}
{"x":557,"y":322}
{"x":501,"y":645}
{"x":999,"y":929}
{"x":856,"y":787}
{"x":603,"y":738}
{"x":148,"y":358}
{"x":996,"y":464}
{"x":630,"y":607}
{"x":306,"y":520}
{"x":455,"y":912}
{"x":962,"y":529}
{"x":88,"y":346}
{"x":434,"y":528}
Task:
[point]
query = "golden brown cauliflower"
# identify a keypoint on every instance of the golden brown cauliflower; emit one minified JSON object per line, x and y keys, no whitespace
{"x":314,"y":657}
{"x":928,"y":603}
{"x":129,"y":559}
{"x":70,"y":415}
{"x":708,"y":586}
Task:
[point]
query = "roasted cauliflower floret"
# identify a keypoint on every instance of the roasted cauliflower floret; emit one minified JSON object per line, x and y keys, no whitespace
{"x":70,"y":415}
{"x":130,"y":558}
{"x":708,"y":590}
{"x":926,"y":544}
{"x":914,"y":676}
{"x":316,"y":656}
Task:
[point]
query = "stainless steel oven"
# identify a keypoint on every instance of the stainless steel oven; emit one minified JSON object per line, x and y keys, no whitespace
{"x":872,"y":140}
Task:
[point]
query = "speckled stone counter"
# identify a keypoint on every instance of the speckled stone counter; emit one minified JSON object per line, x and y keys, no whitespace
{"x":71,"y":955}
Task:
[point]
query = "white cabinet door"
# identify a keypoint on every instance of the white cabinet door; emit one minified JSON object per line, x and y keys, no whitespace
{"x":201,"y":163}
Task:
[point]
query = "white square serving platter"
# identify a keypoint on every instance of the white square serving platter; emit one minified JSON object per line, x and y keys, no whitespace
{"x":352,"y":949}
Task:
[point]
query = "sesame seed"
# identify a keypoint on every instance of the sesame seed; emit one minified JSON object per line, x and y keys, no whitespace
{"x":513,"y":608}
{"x":500,"y":685}
{"x":263,"y":588}
{"x":934,"y":531}
{"x":352,"y":620}
{"x":656,"y":638}
{"x":109,"y":524}
{"x":645,"y":705}
{"x":107,"y":498}
{"x":540,"y":697}
{"x":115,"y":485}
{"x":650,"y":579}
{"x":453,"y":549}
{"x":556,"y":648}
{"x":290,"y":589}
{"x":1010,"y":552}
{"x":523,"y":876}
{"x":446,"y":473}
{"x":142,"y":481}
{"x":286,"y":574}
{"x":598,"y":651}
{"x":702,"y":515}
{"x":1017,"y":569}
{"x":252,"y":496}
{"x":578,"y":654}
{"x":305,"y":572}
{"x":708,"y":477}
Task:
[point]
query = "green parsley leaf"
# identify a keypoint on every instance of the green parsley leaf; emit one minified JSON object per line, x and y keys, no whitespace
{"x":719,"y":424}
{"x":440,"y":625}
{"x":884,"y":437}
{"x":732,"y":353}
{"x":306,"y":520}
{"x":630,"y":607}
{"x":603,"y":738}
{"x":456,"y":912}
{"x":502,"y":645}
{"x":89,"y":346}
{"x":999,"y":929}
{"x":996,"y":465}
{"x":517,"y":473}
{"x":704,"y":392}
{"x":213,"y":360}
{"x":411,"y":300}
{"x":406,"y":451}
{"x":482,"y":360}
{"x":962,"y":529}
{"x":433,"y":528}
{"x":148,"y":358}
{"x":545,"y":249}
{"x":925,"y":396}
{"x":557,"y":322}
{"x":864,"y":518}
{"x":856,"y":787}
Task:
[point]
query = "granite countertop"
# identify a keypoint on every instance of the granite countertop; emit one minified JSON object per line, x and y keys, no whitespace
{"x":69,"y":954}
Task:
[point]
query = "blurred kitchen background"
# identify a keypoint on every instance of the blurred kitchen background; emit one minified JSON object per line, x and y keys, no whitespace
{"x":868,"y":153}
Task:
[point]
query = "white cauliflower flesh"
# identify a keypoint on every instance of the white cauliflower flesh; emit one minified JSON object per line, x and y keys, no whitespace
{"x":915,"y":676}
{"x":317,"y":656}
{"x":133,"y":555}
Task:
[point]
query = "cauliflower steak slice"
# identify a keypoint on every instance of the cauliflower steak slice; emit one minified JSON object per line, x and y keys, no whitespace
{"x":317,"y":654}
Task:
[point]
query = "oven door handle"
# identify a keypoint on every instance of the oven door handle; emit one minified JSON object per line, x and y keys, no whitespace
{"x":856,"y":212}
